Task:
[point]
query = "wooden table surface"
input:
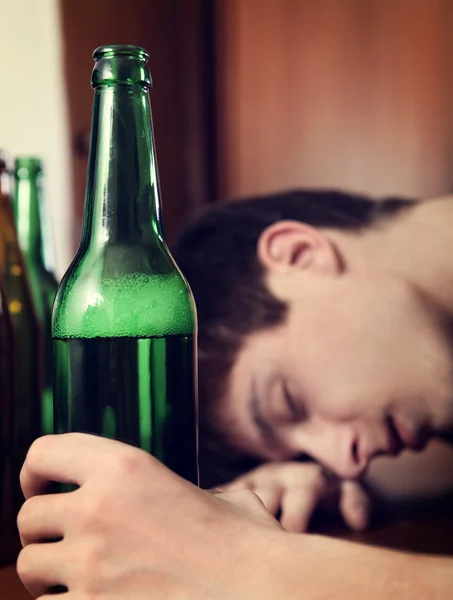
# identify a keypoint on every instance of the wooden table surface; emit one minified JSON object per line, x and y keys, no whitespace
{"x":426,"y":533}
{"x":10,"y":586}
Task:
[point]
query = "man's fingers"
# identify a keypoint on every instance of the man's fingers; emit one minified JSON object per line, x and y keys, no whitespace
{"x":244,"y":498}
{"x":270,"y":496}
{"x":41,"y":567}
{"x":298,"y":505}
{"x":355,"y":505}
{"x":66,"y":458}
{"x":241,"y":483}
{"x":57,"y":458}
{"x":42,"y":518}
{"x":61,"y":596}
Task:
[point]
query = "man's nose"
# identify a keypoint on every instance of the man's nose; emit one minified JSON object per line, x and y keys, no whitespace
{"x":338,"y":449}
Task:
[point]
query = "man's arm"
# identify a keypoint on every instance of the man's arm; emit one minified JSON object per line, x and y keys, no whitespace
{"x":295,"y":489}
{"x":314,"y":567}
{"x":134,"y":529}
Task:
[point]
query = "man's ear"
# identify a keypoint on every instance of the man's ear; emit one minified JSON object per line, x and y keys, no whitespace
{"x":287,"y":245}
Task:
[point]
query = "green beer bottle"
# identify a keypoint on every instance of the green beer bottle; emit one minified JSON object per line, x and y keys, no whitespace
{"x":28,"y":216}
{"x":26,"y":330}
{"x":9,"y":539}
{"x":124,"y":319}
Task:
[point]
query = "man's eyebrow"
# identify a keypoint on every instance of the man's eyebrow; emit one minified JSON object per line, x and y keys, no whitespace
{"x":265,"y":427}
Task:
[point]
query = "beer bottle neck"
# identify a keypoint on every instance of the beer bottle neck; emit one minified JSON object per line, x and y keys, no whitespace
{"x":123,"y":194}
{"x":26,"y":210}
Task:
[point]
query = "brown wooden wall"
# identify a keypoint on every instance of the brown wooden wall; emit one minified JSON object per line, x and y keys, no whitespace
{"x":354,"y":94}
{"x":347,"y":93}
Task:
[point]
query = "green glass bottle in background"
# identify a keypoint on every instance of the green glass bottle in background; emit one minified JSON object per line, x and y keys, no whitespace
{"x":124,"y":320}
{"x":26,"y":330}
{"x":28,"y":217}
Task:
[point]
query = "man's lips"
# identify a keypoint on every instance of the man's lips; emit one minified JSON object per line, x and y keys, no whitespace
{"x":395,"y":440}
{"x":399,"y":436}
{"x":410,"y":436}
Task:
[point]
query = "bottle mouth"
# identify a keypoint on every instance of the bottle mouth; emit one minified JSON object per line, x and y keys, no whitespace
{"x":120,"y":64}
{"x":26,"y":166}
{"x":120,"y":50}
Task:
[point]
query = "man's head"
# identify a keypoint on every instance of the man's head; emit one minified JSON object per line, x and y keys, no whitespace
{"x":311,"y":339}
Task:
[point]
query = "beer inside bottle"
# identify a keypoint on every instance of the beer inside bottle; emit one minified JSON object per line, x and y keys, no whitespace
{"x":124,"y":320}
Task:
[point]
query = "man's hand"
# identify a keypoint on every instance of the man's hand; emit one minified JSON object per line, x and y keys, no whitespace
{"x":295,"y":489}
{"x":136,"y":530}
{"x":133,"y":529}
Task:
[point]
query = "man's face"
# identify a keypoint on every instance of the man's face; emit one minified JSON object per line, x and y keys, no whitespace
{"x":361,"y":366}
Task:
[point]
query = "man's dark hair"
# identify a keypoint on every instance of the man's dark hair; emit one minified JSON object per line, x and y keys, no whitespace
{"x":218,"y":255}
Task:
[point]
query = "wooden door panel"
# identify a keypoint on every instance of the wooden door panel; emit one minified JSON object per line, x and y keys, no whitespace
{"x":355,"y":94}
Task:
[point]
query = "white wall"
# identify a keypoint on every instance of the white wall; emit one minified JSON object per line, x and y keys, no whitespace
{"x":33,"y":112}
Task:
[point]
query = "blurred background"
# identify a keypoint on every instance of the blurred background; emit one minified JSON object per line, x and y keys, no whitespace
{"x":249,"y":96}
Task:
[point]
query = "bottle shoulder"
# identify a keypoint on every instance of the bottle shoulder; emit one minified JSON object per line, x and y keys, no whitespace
{"x":120,"y":292}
